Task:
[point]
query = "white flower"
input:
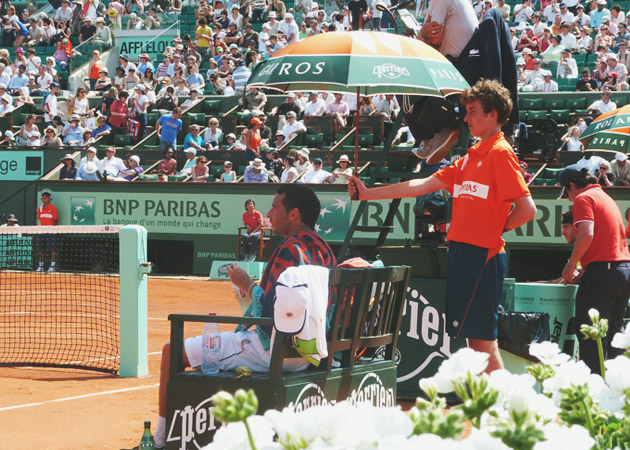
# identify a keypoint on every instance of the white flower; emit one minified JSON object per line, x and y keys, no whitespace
{"x":572,"y":373}
{"x":457,"y":367}
{"x":593,"y":314}
{"x":428,"y":386}
{"x":562,"y":437}
{"x":544,"y":408}
{"x":432,"y":441}
{"x":548,"y":353}
{"x":520,"y":401}
{"x":482,"y":440}
{"x":622,"y":339}
{"x":234,"y":436}
{"x":610,"y":401}
{"x":618,"y":373}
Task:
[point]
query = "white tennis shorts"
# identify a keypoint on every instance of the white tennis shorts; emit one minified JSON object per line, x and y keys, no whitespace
{"x":241,"y":348}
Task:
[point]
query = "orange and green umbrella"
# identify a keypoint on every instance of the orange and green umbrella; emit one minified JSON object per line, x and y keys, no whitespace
{"x":360,"y":62}
{"x":609,"y":131}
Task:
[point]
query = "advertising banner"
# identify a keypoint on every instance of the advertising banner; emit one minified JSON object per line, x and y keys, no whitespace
{"x":153,"y":42}
{"x":21,"y":165}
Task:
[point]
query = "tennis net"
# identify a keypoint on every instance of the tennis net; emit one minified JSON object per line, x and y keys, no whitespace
{"x":60,"y":297}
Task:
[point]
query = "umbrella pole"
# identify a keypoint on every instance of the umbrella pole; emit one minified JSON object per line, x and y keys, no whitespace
{"x":356,"y":133}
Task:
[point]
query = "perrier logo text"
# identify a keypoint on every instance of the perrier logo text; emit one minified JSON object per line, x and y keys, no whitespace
{"x":390,"y":70}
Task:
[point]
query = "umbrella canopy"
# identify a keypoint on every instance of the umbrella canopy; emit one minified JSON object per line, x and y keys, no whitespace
{"x":368,"y":62}
{"x":610,"y":131}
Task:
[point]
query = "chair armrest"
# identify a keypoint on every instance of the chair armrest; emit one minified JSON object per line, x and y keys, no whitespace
{"x":176,"y":364}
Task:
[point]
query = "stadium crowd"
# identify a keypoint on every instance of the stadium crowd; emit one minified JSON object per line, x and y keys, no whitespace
{"x":217,"y":59}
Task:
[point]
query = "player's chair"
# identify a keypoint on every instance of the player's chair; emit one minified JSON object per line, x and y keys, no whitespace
{"x":264,"y":243}
{"x":365,"y":306}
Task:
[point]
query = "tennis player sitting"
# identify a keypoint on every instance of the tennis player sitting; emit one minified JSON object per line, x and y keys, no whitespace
{"x":485,"y":184}
{"x":294,"y":211}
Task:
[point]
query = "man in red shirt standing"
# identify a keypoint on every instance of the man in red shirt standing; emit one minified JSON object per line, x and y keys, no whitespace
{"x":485,"y":184}
{"x":47,"y":216}
{"x":253,"y":223}
{"x":602,"y":250}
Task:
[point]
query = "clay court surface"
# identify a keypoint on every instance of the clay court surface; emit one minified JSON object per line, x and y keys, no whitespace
{"x":78,"y":409}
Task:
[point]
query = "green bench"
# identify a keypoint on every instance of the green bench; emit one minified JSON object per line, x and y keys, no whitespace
{"x":363,"y":336}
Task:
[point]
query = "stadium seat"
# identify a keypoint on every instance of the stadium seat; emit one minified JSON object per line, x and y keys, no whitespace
{"x":522,"y":115}
{"x":528,"y":103}
{"x":536,"y":115}
{"x":148,"y":177}
{"x":366,"y":139}
{"x":122,"y":140}
{"x":554,"y":102}
{"x":575,"y":103}
{"x":197,"y":118}
{"x":561,"y":116}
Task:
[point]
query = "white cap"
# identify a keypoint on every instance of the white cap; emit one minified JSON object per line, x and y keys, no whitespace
{"x":527,"y":50}
{"x":191,"y":150}
{"x":601,"y":2}
{"x":135,"y":158}
{"x":621,"y":156}
{"x":90,"y":167}
{"x":91,"y":149}
{"x":289,"y":310}
{"x":9,"y":134}
{"x":305,"y":152}
{"x":288,"y":16}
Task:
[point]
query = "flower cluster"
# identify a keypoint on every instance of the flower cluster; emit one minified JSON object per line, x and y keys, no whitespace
{"x":560,"y":404}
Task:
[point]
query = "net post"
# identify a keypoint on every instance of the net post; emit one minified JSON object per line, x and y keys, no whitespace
{"x":133,"y":301}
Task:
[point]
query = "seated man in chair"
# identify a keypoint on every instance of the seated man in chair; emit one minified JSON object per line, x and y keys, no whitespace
{"x":294,"y":211}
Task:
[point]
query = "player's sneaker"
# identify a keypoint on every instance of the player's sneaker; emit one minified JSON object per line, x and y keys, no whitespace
{"x":51,"y":269}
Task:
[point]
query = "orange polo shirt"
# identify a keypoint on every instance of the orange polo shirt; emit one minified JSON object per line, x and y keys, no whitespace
{"x":483,"y":183}
{"x":47,"y":215}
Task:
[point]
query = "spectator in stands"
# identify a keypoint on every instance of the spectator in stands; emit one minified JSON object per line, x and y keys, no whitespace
{"x":230,"y":141}
{"x":599,"y":107}
{"x":551,"y":56}
{"x":597,"y":14}
{"x":194,"y":140}
{"x":612,"y":27}
{"x":212,"y":135}
{"x":120,"y":80}
{"x":526,"y":175}
{"x":119,"y":112}
{"x":523,"y":12}
{"x":94,"y":69}
{"x":290,"y":28}
{"x":529,"y":40}
{"x":87,"y":172}
{"x":240,"y":76}
{"x":545,"y":40}
{"x":604,"y":177}
{"x":623,"y":57}
{"x":303,"y":163}
{"x":273,"y":163}
{"x":152,"y":21}
{"x":6,"y":105}
{"x":18,"y":80}
{"x":288,"y":105}
{"x":623,"y":35}
{"x":22,"y":137}
{"x":567,"y":38}
{"x":86,"y":138}
{"x":200,"y":171}
{"x":140,"y":105}
{"x":253,"y":221}
{"x":571,"y":140}
{"x":79,"y":104}
{"x":256,"y":172}
{"x":265,"y":131}
{"x":567,"y":67}
{"x":617,"y":16}
{"x":317,"y":175}
{"x":148,"y":79}
{"x":110,"y":166}
{"x":367,"y":107}
{"x":228,"y":175}
{"x":293,"y":126}
{"x":102,"y":129}
{"x":343,"y":173}
{"x":68,"y":170}
{"x":50,"y":139}
{"x":64,"y":12}
{"x":195,"y":79}
{"x":581,"y":19}
{"x":600,"y":74}
{"x":8,"y":140}
{"x":181,"y":90}
{"x":145,"y":64}
{"x":340,"y":110}
{"x":132,"y":79}
{"x":290,"y":173}
{"x":585,"y":43}
{"x":103,"y":83}
{"x":620,"y":169}
{"x":190,"y":162}
{"x":168,"y":164}
{"x":167,"y":128}
{"x":73,"y":131}
{"x":103,"y":33}
{"x":132,"y":171}
{"x":253,"y":99}
{"x":87,"y":30}
{"x":619,"y":69}
{"x":135,"y":22}
{"x":24,"y":98}
{"x":253,"y":139}
{"x":604,"y":37}
{"x":90,"y":156}
{"x":278,"y":8}
{"x":611,"y":82}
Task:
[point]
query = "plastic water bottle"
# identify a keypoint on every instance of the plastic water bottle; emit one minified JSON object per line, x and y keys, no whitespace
{"x":147,"y":443}
{"x":210,"y":347}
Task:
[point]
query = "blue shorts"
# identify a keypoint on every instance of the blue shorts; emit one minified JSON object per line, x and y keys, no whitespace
{"x":473,"y":291}
{"x":46,"y":241}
